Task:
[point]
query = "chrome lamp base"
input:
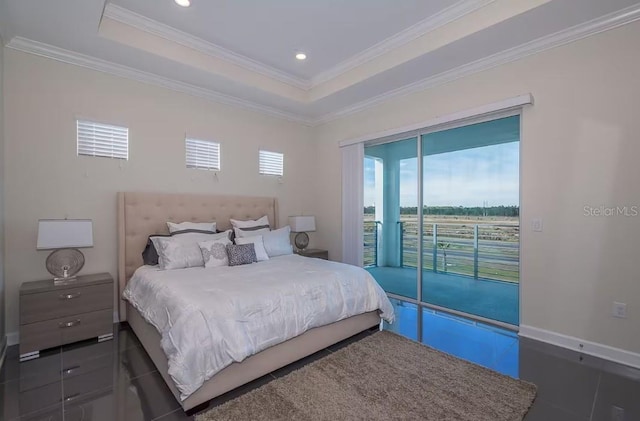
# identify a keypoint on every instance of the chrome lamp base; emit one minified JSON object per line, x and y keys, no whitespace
{"x":301,"y":241}
{"x":64,"y":264}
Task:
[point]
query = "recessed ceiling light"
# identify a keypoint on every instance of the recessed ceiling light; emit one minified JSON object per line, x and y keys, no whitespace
{"x":183,"y":3}
{"x":301,"y":56}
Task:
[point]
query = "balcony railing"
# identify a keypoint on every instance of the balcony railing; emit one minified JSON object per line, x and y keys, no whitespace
{"x":483,"y":250}
{"x":371,"y":229}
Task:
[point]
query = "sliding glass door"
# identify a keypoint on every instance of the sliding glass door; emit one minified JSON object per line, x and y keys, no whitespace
{"x":454,"y":214}
{"x":470,"y":191}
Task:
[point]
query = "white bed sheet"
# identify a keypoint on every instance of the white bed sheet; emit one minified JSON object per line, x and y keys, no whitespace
{"x":209,"y":318}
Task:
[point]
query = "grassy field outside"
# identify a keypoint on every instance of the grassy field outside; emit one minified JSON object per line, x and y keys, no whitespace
{"x":453,"y":250}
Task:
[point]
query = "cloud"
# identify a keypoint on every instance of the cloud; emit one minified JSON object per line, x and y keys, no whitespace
{"x":467,"y":177}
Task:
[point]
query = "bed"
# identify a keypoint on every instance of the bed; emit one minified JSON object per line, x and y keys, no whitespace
{"x":144,"y":214}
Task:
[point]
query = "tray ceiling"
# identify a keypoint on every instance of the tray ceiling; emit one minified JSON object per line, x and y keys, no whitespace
{"x":360,"y":52}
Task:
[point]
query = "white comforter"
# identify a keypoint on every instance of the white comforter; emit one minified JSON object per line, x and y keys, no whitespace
{"x":209,"y":318}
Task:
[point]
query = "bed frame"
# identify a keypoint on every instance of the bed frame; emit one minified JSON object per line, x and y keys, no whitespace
{"x":143,"y":214}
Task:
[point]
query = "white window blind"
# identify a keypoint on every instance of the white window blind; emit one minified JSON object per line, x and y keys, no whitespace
{"x":98,"y":139}
{"x":202,"y":154}
{"x":271,"y":163}
{"x":353,"y":204}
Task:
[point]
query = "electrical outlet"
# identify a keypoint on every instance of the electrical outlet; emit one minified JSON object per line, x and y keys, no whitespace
{"x":536,"y":224}
{"x":619,"y":310}
{"x":617,"y":413}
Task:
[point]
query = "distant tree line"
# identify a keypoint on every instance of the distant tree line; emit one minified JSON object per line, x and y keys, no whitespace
{"x":456,"y":210}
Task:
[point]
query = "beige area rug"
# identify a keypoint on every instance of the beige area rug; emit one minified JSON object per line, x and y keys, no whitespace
{"x":384,"y":377}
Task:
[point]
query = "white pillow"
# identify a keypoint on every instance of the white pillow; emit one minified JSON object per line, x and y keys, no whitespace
{"x":278,"y":242}
{"x":183,"y":251}
{"x":214,"y":252}
{"x":252,"y":232}
{"x":249,"y":224}
{"x":202,"y":226}
{"x":261,"y":253}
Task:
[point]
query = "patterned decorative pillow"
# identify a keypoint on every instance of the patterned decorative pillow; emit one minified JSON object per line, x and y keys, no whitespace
{"x":214,"y":252}
{"x":258,"y":245}
{"x":241,"y":254}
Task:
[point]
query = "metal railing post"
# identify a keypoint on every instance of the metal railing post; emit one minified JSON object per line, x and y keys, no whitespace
{"x":375,"y":241}
{"x":435,"y":247}
{"x":401,"y":224}
{"x":475,"y":251}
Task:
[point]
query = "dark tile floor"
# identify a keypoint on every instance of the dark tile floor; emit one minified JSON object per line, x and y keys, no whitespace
{"x":574,"y":386}
{"x":115,"y":380}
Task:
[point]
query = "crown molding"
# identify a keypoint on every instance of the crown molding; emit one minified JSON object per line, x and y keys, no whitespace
{"x":93,"y":63}
{"x":575,"y":33}
{"x":442,"y":18}
{"x":127,"y":17}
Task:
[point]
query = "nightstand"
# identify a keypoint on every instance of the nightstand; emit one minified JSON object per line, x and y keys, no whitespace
{"x":53,"y":315}
{"x":317,"y":253}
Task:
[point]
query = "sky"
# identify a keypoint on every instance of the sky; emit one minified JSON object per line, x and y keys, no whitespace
{"x":484,"y":176}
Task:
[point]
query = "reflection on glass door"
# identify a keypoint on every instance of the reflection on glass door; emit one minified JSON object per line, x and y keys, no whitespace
{"x":470,"y":238}
{"x":391,"y":215}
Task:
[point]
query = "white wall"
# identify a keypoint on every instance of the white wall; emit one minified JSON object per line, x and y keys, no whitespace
{"x":45,"y":178}
{"x":579,"y":147}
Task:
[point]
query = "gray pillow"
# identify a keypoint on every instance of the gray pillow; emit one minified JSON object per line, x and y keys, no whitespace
{"x":241,"y":254}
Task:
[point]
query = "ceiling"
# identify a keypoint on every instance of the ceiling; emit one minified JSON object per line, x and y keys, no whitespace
{"x":360,"y":52}
{"x":329,"y":31}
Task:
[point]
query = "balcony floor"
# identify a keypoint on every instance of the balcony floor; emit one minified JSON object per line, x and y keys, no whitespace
{"x":495,"y":300}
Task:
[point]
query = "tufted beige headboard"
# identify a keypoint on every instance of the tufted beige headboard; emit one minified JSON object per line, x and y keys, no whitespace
{"x":143,"y":214}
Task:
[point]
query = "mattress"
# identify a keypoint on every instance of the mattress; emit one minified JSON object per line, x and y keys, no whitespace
{"x":209,"y":318}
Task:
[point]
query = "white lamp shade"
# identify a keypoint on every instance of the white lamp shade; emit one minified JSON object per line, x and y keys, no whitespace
{"x":302,"y":223}
{"x":64,"y":233}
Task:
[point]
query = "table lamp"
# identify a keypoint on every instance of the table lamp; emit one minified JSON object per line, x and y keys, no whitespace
{"x":64,"y":237}
{"x":301,"y":225}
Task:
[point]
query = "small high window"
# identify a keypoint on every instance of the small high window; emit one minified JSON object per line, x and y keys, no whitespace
{"x":271,"y":163}
{"x":202,"y":154}
{"x":105,"y":140}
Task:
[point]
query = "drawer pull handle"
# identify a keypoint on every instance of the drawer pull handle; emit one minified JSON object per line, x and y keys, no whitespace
{"x":71,"y":397}
{"x":70,"y":370}
{"x":72,"y":323}
{"x":69,"y":296}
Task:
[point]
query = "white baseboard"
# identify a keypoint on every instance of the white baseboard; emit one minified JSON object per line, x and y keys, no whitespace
{"x":595,"y":349}
{"x":13,"y":338}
